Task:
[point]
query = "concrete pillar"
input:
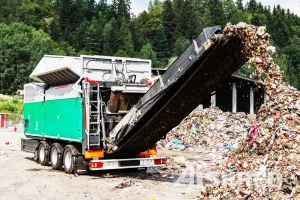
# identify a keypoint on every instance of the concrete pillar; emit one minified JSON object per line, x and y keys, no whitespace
{"x":266,"y":97}
{"x":213,"y":100}
{"x":251,"y":101}
{"x":234,"y":98}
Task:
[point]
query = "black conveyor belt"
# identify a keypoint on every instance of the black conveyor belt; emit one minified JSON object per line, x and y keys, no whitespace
{"x":185,"y":85}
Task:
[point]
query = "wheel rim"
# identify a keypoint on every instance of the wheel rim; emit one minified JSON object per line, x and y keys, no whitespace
{"x":54,"y":156}
{"x":68,"y":160}
{"x":42,"y":154}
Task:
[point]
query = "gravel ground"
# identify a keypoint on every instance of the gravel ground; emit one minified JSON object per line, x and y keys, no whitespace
{"x":22,"y":178}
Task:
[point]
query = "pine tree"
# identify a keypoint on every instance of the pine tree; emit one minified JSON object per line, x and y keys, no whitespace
{"x":216,"y":12}
{"x":89,"y":9}
{"x":111,"y":40}
{"x":141,"y":32}
{"x":69,"y":17}
{"x":54,"y":30}
{"x":160,"y":45}
{"x":239,"y":4}
{"x":192,"y":29}
{"x":169,"y":21}
{"x":229,"y":8}
{"x":178,"y":7}
{"x":121,"y":9}
{"x":125,"y":38}
{"x":180,"y":45}
{"x":148,"y":53}
{"x":252,"y":6}
{"x":92,"y":42}
{"x":183,"y":15}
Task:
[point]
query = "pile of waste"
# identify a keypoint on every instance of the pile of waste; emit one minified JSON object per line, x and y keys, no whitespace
{"x":207,"y":131}
{"x":268,"y":159}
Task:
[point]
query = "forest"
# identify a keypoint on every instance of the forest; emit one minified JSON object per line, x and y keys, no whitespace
{"x":31,"y":28}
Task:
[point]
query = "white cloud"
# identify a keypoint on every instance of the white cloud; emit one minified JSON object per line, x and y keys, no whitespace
{"x":138,"y":6}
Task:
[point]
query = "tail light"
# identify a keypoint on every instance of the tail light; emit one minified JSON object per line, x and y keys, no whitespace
{"x":160,"y":161}
{"x":149,"y":152}
{"x":96,"y":165}
{"x":90,"y":154}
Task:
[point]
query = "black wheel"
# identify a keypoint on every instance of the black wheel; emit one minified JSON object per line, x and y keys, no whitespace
{"x":43,"y":155}
{"x":55,"y":156}
{"x":35,"y":156}
{"x":69,"y":159}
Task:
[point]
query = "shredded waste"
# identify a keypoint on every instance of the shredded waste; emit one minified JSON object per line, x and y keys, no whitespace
{"x":257,"y":159}
{"x":125,"y":184}
{"x":207,"y":130}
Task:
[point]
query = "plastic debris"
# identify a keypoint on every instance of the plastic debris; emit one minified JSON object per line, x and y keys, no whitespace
{"x":273,"y":143}
{"x":207,"y":131}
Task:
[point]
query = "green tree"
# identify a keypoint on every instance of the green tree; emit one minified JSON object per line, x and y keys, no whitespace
{"x":111,"y":40}
{"x":121,"y":53}
{"x":147,"y":52}
{"x":70,"y":16}
{"x":81,"y":35}
{"x":216,"y":12}
{"x":155,"y":8}
{"x":8,"y":9}
{"x":89,"y":9}
{"x":180,"y":45}
{"x":239,"y":4}
{"x":161,"y":46}
{"x":241,"y":16}
{"x":92,"y":41}
{"x":34,"y":13}
{"x":141,"y":32}
{"x":229,"y":8}
{"x":12,"y":106}
{"x":155,"y":18}
{"x":252,"y":6}
{"x":125,"y":38}
{"x":121,"y":9}
{"x":177,"y":4}
{"x":169,"y":21}
{"x":293,"y":67}
{"x":21,"y":49}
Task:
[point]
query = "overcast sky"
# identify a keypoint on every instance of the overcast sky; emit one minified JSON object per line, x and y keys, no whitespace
{"x":138,"y":6}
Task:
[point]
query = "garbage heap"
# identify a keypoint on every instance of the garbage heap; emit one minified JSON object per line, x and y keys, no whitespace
{"x":207,"y":131}
{"x":269,"y":157}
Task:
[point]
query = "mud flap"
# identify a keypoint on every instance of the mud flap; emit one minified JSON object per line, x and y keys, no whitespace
{"x":80,"y":165}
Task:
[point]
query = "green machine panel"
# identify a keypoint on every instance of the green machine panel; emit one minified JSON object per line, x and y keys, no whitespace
{"x":63,"y":119}
{"x":59,"y":119}
{"x":33,"y":117}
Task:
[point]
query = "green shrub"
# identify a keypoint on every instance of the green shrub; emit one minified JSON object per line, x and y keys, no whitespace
{"x":13,"y":106}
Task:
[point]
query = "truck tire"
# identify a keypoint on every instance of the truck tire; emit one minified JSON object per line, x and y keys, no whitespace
{"x":56,"y":156}
{"x":69,"y":159}
{"x":43,"y":153}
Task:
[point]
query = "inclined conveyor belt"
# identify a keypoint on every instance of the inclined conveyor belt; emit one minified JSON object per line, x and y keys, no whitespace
{"x":186,"y":84}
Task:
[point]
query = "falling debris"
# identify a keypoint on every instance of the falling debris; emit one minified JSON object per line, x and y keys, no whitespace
{"x":271,"y":151}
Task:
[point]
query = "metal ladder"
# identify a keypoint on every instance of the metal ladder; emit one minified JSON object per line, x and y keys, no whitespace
{"x":93,"y":117}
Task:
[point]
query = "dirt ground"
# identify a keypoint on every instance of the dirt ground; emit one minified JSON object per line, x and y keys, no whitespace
{"x":23,"y":178}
